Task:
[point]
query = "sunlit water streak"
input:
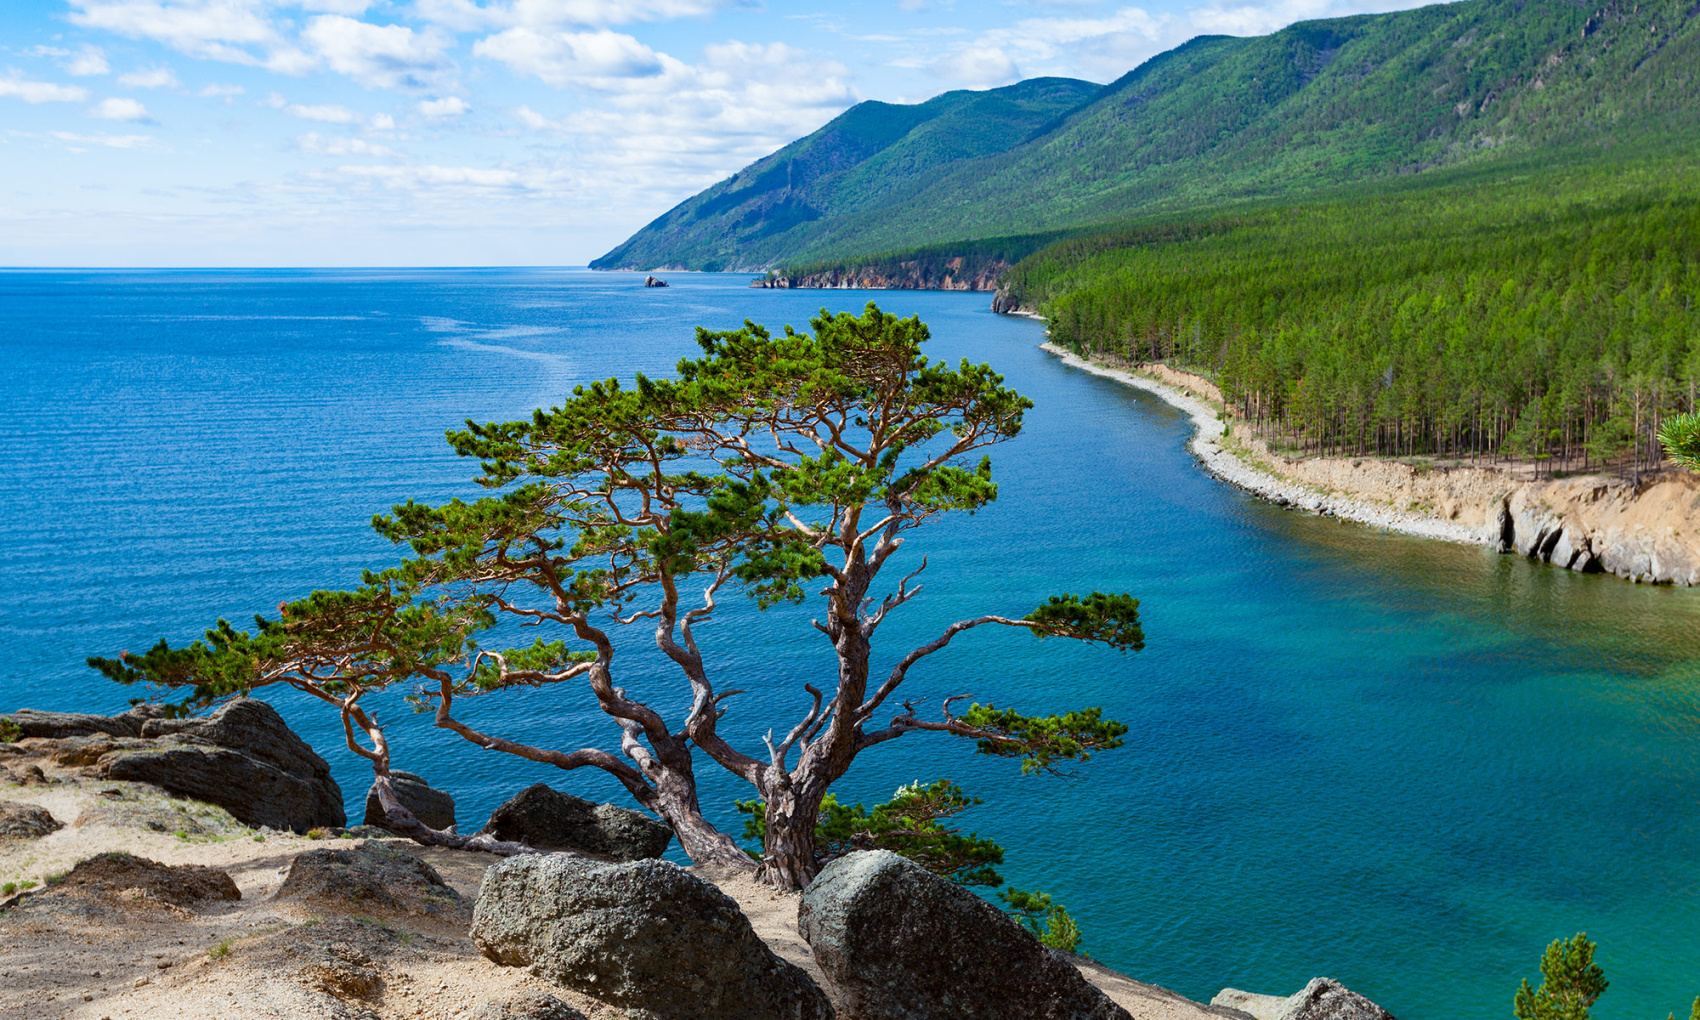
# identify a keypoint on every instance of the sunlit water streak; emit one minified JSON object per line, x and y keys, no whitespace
{"x":1397,"y":762}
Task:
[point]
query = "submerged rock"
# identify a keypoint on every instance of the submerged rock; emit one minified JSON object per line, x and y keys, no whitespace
{"x":647,"y":936}
{"x":548,"y":819}
{"x":897,"y":942}
{"x":435,"y":808}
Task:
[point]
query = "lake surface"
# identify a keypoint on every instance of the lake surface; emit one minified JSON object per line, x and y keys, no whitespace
{"x":1396,"y":762}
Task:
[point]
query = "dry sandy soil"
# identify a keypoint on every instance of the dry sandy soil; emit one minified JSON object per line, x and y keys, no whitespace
{"x":70,"y":950}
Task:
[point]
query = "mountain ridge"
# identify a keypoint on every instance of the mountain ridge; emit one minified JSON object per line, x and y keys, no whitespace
{"x":1216,"y":121}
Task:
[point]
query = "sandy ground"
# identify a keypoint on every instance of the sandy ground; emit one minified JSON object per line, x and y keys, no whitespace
{"x":68,"y":953}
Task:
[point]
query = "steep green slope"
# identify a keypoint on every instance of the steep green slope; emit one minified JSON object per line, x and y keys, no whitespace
{"x":868,"y":157}
{"x":1551,"y":313}
{"x":1314,"y":107}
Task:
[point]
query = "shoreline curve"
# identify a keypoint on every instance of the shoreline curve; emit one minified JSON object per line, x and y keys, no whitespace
{"x":1206,"y":445}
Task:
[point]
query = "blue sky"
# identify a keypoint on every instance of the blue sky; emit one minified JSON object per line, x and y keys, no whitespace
{"x":477,"y":132}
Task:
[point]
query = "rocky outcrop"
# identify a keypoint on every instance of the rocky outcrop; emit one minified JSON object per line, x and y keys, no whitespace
{"x":1646,"y":533}
{"x":952,"y":274}
{"x":647,"y":936}
{"x":1005,"y":303}
{"x":899,"y":943}
{"x":650,"y":281}
{"x":535,"y":1006}
{"x":548,"y":819}
{"x":26,"y":821}
{"x":58,"y":725}
{"x":431,"y":806}
{"x":114,"y":874}
{"x":1321,"y":999}
{"x":243,"y":758}
{"x":367,"y":876}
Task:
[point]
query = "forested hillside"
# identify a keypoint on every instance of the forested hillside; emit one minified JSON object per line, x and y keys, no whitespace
{"x":1547,"y":313}
{"x":1214,"y":123}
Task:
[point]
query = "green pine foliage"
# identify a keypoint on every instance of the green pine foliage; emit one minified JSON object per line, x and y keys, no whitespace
{"x":773,"y":464}
{"x":1047,"y":919}
{"x":1550,"y":316}
{"x":913,"y":824}
{"x":1571,"y":982}
{"x":1680,"y":436}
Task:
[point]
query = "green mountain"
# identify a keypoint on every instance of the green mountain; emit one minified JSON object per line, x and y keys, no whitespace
{"x":1216,"y":122}
{"x":869,"y":157}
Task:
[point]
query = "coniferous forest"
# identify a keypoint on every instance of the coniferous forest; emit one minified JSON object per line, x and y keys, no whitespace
{"x":1546,"y":315}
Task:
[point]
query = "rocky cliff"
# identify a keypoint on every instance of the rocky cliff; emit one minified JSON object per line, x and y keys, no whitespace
{"x":917,"y":275}
{"x":1646,"y":531}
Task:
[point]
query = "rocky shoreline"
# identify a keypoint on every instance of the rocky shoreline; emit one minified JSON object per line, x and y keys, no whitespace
{"x":1646,"y":533}
{"x":950,"y":275}
{"x":121,"y":899}
{"x":1207,"y":444}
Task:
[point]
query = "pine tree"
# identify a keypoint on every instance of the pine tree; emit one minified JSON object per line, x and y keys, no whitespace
{"x":1571,"y":982}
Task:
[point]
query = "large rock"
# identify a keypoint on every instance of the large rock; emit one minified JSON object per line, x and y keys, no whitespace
{"x":899,"y":943}
{"x":244,"y":758}
{"x":1327,"y":999}
{"x":433,"y":807}
{"x":114,"y":874}
{"x":369,"y":876}
{"x":551,"y":820}
{"x":26,"y":821}
{"x":56,"y":725}
{"x":1322,"y":999}
{"x":647,"y":936}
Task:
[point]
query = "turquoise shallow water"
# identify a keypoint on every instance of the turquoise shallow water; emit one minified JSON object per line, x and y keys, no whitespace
{"x":1404,"y":764}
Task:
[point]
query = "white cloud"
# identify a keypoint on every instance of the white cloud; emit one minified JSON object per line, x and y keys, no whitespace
{"x":327,"y":113}
{"x":981,"y":67}
{"x":533,"y":120}
{"x":236,"y":31}
{"x":88,"y":61}
{"x":351,"y":7}
{"x":18,"y":87}
{"x":107,"y":141}
{"x":120,"y":109}
{"x":380,"y":56}
{"x":225,"y":91}
{"x":438,"y":109}
{"x":571,"y":58}
{"x":666,"y":135}
{"x":414,"y":177}
{"x":152,"y":78}
{"x":315,"y":144}
{"x":467,"y":15}
{"x":1102,"y":47}
{"x":383,"y":122}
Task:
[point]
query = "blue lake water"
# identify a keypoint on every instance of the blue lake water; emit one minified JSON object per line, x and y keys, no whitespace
{"x":1401,"y":763}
